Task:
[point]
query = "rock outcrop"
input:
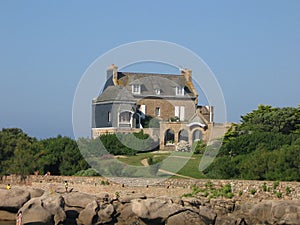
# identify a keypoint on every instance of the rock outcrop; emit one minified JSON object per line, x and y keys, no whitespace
{"x":12,"y":200}
{"x":47,"y":209}
{"x":133,"y":208}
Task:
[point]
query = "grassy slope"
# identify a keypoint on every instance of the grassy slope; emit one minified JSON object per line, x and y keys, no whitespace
{"x":190,"y":168}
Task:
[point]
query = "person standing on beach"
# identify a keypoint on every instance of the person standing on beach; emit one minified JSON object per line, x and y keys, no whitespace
{"x":19,"y":218}
{"x":8,"y":187}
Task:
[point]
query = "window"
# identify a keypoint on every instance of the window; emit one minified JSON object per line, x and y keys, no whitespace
{"x":109,"y":117}
{"x":179,"y":90}
{"x":157,"y":91}
{"x":136,"y":89}
{"x":179,"y":112}
{"x":157,"y":111}
{"x":125,"y":117}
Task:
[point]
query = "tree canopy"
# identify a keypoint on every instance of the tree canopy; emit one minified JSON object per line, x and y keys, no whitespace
{"x":22,"y":154}
{"x":265,"y":145}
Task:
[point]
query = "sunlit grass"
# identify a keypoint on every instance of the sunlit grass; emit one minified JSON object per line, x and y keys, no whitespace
{"x":170,"y":162}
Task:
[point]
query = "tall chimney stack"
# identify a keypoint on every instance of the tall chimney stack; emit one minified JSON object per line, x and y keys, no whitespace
{"x":187,"y":73}
{"x":112,"y":71}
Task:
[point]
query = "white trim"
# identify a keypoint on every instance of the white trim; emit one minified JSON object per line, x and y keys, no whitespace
{"x":180,"y":91}
{"x":129,"y":122}
{"x":157,"y":113}
{"x":196,"y":123}
{"x":181,"y":114}
{"x":136,"y":89}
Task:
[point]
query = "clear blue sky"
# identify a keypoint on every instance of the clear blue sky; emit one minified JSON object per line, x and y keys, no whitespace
{"x":253,"y":48}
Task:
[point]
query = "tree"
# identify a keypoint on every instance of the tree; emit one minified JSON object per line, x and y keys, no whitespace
{"x":266,"y":145}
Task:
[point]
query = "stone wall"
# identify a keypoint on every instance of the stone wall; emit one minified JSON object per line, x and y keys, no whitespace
{"x":239,"y":187}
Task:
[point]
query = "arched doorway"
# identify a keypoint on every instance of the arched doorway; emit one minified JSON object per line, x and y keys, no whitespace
{"x":197,"y":135}
{"x":183,"y":135}
{"x":169,"y":137}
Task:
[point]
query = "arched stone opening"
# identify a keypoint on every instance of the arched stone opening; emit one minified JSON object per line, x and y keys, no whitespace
{"x":183,"y":135}
{"x":197,"y":135}
{"x":169,"y":137}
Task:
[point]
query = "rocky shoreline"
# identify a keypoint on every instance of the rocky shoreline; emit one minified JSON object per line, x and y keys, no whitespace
{"x":52,"y":205}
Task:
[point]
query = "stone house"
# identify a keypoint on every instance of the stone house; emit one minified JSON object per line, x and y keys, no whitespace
{"x":165,"y":106}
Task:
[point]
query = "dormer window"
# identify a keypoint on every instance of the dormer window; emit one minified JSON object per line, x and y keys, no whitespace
{"x":136,"y":89}
{"x":179,"y":90}
{"x":157,"y":91}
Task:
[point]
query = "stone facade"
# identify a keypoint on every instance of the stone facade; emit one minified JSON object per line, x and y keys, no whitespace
{"x":128,"y":99}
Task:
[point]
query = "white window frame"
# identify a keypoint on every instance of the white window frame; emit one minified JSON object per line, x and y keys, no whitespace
{"x":179,"y":90}
{"x":157,"y":111}
{"x":157,"y":91}
{"x":109,"y":117}
{"x":180,"y":112}
{"x":136,"y":89}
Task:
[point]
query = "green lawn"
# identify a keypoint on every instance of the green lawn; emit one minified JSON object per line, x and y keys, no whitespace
{"x":136,"y":159}
{"x":191,"y":168}
{"x":171,"y":161}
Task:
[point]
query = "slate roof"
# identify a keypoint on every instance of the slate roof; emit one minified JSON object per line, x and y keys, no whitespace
{"x":114,"y":94}
{"x":196,"y":119}
{"x":149,"y":82}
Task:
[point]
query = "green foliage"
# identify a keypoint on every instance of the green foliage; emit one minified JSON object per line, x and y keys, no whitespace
{"x":90,"y":172}
{"x":264,"y":187}
{"x":209,"y":185}
{"x":275,"y":185}
{"x":279,"y":194}
{"x":288,"y":190}
{"x":21,"y":154}
{"x":265,"y":146}
{"x":104,"y":182}
{"x":125,"y":144}
{"x":199,"y":147}
{"x":252,"y":191}
{"x":150,"y":122}
{"x":211,"y":192}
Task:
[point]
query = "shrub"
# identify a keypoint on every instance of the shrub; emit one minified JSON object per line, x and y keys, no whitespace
{"x":209,"y":185}
{"x":199,"y":147}
{"x":275,"y":185}
{"x":288,"y":190}
{"x":278,"y":194}
{"x":252,"y":191}
{"x":264,"y":187}
{"x":87,"y":173}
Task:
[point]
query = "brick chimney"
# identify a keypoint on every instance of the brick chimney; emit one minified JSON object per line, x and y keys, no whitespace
{"x":187,"y":73}
{"x":112,"y":71}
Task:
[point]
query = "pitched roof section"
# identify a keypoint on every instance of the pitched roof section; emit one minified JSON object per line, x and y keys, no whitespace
{"x":197,"y":120}
{"x":149,"y":83}
{"x":115,"y":94}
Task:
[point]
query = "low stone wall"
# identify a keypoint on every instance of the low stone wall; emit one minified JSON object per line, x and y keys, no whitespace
{"x":247,"y":188}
